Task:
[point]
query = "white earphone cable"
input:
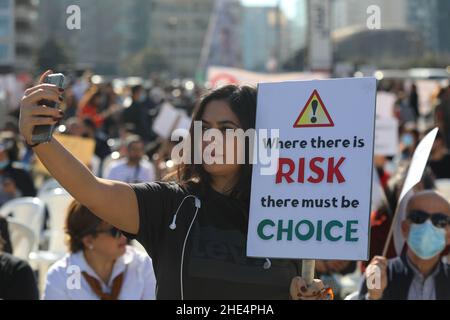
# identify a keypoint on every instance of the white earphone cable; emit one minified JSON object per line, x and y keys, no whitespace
{"x":182,"y":254}
{"x":173,"y":226}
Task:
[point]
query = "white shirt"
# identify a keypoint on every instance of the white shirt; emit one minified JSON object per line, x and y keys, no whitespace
{"x":65,"y":281}
{"x":121,"y":171}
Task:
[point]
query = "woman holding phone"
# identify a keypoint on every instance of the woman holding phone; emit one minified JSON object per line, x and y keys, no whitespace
{"x":194,"y":229}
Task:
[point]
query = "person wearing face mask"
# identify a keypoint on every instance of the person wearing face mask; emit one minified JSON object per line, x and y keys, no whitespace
{"x":14,"y":180}
{"x":408,"y":141}
{"x":136,"y":118}
{"x":419,"y":273}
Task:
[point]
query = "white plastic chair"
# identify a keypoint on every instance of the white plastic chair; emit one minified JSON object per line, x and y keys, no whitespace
{"x":22,"y":239}
{"x":28,"y":211}
{"x":57,"y":202}
{"x":443,"y":186}
{"x":47,"y":186}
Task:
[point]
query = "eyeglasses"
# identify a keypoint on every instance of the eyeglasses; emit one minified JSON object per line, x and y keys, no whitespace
{"x":439,"y":220}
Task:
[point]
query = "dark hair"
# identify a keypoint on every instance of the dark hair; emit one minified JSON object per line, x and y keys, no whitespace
{"x":9,"y":140}
{"x":79,"y":223}
{"x":135,"y":89}
{"x":130,"y":140}
{"x":88,"y":122}
{"x":242,"y":101}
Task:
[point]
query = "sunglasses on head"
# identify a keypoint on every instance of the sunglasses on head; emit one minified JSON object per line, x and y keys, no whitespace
{"x":439,"y":220}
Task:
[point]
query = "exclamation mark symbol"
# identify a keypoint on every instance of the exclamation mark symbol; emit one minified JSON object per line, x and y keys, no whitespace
{"x":314,"y":110}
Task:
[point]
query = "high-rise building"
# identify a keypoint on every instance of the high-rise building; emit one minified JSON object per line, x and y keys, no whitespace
{"x":431,"y":19}
{"x":7,"y":31}
{"x":178,"y":29}
{"x":135,"y":26}
{"x":97,"y":43}
{"x":265,"y":38}
{"x":353,"y":13}
{"x":221,"y":45}
{"x":110,"y":30}
{"x":17,"y":34}
{"x":113,"y":30}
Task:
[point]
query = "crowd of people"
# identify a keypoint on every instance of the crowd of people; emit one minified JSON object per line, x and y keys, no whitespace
{"x":119,"y":120}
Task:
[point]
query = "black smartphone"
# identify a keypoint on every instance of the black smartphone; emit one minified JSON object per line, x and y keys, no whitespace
{"x":44,"y":133}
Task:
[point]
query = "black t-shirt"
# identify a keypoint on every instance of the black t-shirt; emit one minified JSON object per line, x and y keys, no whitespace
{"x":215,"y":264}
{"x":4,"y":235}
{"x":441,"y":168}
{"x":17,"y":281}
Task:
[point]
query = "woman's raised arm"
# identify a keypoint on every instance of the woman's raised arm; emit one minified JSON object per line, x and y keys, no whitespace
{"x":114,"y":202}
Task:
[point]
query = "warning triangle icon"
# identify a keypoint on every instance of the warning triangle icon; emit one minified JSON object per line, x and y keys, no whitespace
{"x":314,"y":114}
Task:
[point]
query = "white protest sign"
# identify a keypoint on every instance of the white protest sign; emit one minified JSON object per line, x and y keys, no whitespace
{"x":385,"y":104}
{"x":418,"y":162}
{"x":184,"y":123}
{"x":166,"y":120}
{"x":317,"y":204}
{"x":386,"y":136}
{"x":414,"y":175}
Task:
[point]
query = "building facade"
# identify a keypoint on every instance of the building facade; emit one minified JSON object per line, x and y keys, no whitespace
{"x":178,"y":29}
{"x":431,"y":18}
{"x":17,"y":34}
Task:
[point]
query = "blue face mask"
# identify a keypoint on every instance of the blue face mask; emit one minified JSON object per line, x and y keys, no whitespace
{"x":426,"y":240}
{"x":407,"y":140}
{"x":4,"y":164}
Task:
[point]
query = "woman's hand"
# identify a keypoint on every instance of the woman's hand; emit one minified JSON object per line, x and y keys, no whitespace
{"x":32,"y":114}
{"x":316,"y":291}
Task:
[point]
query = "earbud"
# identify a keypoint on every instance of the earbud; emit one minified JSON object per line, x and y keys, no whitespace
{"x":267,"y":264}
{"x":197,"y":204}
